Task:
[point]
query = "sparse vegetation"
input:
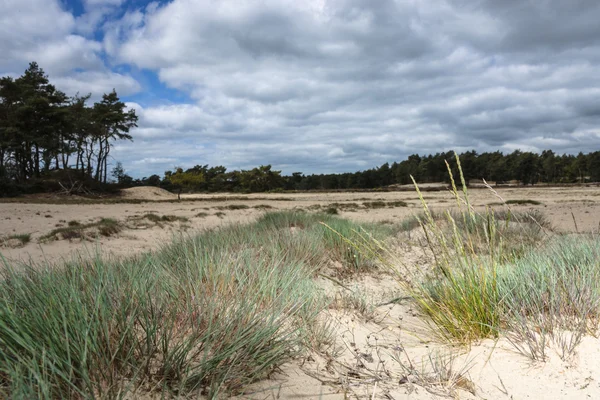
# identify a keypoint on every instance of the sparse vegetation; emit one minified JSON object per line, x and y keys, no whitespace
{"x":374,"y":204}
{"x":263,"y":207}
{"x":498,"y":274}
{"x":77,"y":230}
{"x":523,"y":201}
{"x":164,"y":218}
{"x":16,"y":240}
{"x":233,"y":207}
{"x":384,"y":204}
{"x":437,"y":372}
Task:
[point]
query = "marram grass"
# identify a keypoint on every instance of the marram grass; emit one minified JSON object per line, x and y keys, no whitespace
{"x":205,"y":315}
{"x":499,"y":273}
{"x":505,"y":273}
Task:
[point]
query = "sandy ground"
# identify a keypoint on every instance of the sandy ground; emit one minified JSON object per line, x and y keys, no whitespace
{"x":371,"y":347}
{"x":565,"y":207}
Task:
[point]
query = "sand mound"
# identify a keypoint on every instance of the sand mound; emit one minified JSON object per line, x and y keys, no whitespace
{"x":149,"y":193}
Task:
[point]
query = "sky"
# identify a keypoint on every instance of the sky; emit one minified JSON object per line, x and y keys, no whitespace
{"x":321,"y":85}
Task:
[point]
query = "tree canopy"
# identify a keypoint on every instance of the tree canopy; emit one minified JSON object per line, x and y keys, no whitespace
{"x":43,"y":130}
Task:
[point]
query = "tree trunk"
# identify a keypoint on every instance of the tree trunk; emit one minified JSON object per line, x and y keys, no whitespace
{"x":36,"y":160}
{"x":98,"y":174}
{"x":106,"y":153}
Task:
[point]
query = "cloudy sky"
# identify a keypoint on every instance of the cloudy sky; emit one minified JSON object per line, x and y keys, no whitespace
{"x":321,"y":85}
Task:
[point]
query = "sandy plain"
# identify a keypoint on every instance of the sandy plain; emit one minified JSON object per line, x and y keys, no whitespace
{"x":568,"y":209}
{"x":370,"y":348}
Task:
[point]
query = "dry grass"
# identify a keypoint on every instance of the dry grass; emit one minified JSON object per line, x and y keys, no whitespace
{"x":77,"y":230}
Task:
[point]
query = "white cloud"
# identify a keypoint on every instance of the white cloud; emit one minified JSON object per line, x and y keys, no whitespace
{"x":41,"y":31}
{"x":97,"y":83}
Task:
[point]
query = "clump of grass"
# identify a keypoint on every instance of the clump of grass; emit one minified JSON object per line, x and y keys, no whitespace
{"x":553,"y":296}
{"x":331,"y":210}
{"x":233,"y":207}
{"x":438,"y":373}
{"x":21,"y":238}
{"x":397,"y":203}
{"x":461,"y":296}
{"x":24,"y":238}
{"x":497,"y":273}
{"x":220,"y":214}
{"x":353,"y":299}
{"x":263,"y":207}
{"x":374,"y":204}
{"x":157,"y":219}
{"x":202,"y":215}
{"x":77,"y":230}
{"x":523,"y":201}
{"x":344,"y":206}
{"x":204,"y":316}
{"x":383,"y":204}
{"x":336,"y":234}
{"x":108,"y":227}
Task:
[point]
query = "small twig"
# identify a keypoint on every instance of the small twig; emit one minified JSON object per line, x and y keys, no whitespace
{"x":397,"y":300}
{"x":335,"y":281}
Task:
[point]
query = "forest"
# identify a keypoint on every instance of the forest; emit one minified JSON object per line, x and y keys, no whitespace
{"x":525,"y":167}
{"x":52,"y":142}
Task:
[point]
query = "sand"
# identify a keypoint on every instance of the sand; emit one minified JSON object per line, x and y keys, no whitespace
{"x":150,"y":193}
{"x":370,"y":347}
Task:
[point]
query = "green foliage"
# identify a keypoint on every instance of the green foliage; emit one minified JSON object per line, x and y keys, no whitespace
{"x":186,"y":180}
{"x":41,"y":130}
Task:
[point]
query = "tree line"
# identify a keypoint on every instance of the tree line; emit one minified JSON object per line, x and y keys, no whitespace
{"x":47,"y":137}
{"x":42,"y":130}
{"x":523,"y":167}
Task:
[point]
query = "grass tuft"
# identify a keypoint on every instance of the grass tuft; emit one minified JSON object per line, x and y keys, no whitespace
{"x":163,"y":218}
{"x":21,"y":238}
{"x":203,"y":316}
{"x":233,"y":207}
{"x":523,"y":201}
{"x":77,"y":230}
